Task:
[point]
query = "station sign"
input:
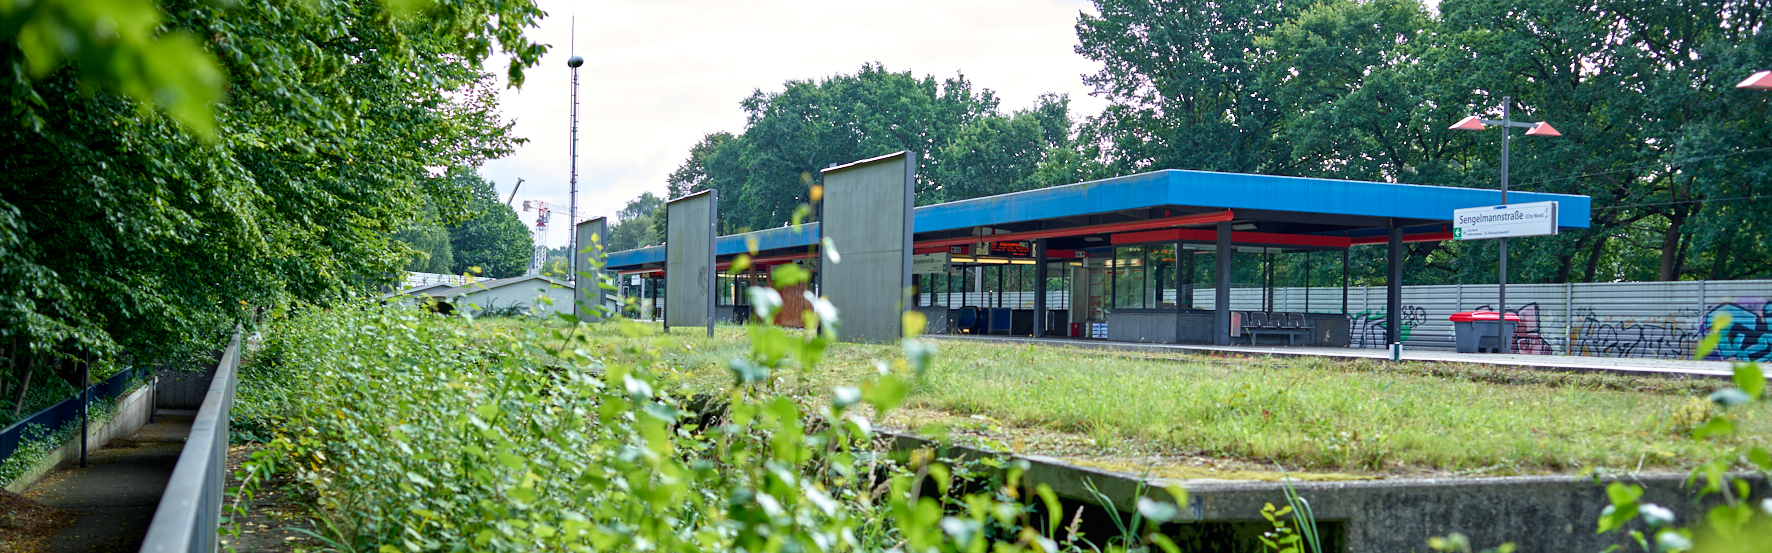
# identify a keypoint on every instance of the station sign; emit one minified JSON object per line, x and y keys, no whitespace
{"x":929,"y":264}
{"x":1505,"y":221}
{"x":1011,"y":249}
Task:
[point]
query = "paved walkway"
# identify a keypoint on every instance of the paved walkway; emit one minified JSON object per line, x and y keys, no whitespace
{"x":1633,"y":366}
{"x":116,"y":494}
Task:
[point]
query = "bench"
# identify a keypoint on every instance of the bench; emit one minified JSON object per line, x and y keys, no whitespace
{"x":1292,"y":325}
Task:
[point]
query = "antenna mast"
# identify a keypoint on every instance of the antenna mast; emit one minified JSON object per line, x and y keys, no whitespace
{"x":572,"y":202}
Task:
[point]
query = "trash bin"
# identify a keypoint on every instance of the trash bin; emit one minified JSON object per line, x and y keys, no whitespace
{"x":1482,"y":330}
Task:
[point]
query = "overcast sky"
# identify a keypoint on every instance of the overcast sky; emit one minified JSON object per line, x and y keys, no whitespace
{"x":660,"y":74}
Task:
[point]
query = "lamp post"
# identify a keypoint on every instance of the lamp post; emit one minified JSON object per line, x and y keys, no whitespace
{"x":1477,"y":123}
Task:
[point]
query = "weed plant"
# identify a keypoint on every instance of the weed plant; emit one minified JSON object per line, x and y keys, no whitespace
{"x":414,"y":432}
{"x":1304,"y":413}
{"x":38,"y":440}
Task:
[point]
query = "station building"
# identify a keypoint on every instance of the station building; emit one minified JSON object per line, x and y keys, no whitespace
{"x":1167,"y":256}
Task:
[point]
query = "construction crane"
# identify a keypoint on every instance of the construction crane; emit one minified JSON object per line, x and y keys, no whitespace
{"x":539,"y":232}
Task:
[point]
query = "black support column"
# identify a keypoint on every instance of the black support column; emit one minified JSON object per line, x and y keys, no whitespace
{"x":1181,"y":282}
{"x":1221,"y":295}
{"x":1040,"y":288}
{"x":1393,"y":284}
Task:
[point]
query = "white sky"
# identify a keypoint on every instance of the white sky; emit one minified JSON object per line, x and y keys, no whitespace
{"x":660,"y":74}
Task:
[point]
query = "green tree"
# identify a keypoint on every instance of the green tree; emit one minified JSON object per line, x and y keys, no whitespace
{"x":998,"y":154}
{"x":430,"y":245}
{"x":492,"y":241}
{"x":636,"y":225}
{"x":127,"y":229}
{"x":964,"y":145}
{"x":1180,"y":84}
{"x":1364,"y":89}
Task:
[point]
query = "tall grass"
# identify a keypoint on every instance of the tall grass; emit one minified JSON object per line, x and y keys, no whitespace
{"x":1306,"y":413}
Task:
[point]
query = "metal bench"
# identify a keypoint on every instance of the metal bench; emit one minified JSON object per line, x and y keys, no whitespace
{"x":1292,"y":325}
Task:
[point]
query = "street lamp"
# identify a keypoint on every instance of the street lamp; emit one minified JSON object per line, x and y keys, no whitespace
{"x":1477,"y":123}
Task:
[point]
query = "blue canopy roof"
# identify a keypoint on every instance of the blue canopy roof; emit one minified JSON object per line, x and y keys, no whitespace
{"x":1174,"y":187}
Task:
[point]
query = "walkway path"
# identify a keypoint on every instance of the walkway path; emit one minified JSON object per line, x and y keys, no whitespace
{"x":116,"y":494}
{"x":1632,"y":366}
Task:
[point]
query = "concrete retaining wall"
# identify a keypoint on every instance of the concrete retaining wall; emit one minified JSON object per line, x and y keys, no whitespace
{"x":1537,"y":513}
{"x":132,"y":414}
{"x":1153,"y":327}
{"x":183,"y":389}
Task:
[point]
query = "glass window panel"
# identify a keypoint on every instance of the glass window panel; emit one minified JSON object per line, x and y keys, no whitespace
{"x":1130,"y":278}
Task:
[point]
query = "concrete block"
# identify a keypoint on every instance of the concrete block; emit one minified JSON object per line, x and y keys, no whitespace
{"x":586,"y":295}
{"x":689,"y":260}
{"x":867,"y":216}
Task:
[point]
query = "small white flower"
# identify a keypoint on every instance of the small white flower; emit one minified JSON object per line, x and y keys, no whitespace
{"x":1657,"y":515}
{"x":1669,"y":540}
{"x":765,"y":301}
{"x":1766,"y":505}
{"x":829,"y":251}
{"x":845,"y":396}
{"x":827,"y":313}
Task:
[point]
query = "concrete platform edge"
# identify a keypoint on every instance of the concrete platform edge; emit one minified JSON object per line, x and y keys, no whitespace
{"x":1540,"y":513}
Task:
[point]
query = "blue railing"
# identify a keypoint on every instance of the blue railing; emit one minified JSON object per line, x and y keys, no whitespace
{"x":190,"y":510}
{"x":54,"y":417}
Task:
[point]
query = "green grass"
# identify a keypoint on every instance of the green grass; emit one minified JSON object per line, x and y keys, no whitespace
{"x":1304,"y":413}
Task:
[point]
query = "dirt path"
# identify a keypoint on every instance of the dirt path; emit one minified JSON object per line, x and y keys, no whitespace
{"x":275,"y":518}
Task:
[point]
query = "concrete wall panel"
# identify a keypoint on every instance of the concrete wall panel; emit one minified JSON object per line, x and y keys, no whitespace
{"x":590,"y":245}
{"x":689,"y":260}
{"x":867,"y":216}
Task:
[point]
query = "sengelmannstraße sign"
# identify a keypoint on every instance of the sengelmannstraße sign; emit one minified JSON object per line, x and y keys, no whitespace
{"x":1505,"y":221}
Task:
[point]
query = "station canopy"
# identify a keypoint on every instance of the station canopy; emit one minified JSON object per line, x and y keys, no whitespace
{"x":1268,"y":212}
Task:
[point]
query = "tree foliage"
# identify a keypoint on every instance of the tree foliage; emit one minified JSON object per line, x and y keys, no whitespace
{"x":126,"y":228}
{"x":637,"y":224}
{"x":965,"y":145}
{"x":492,"y":240}
{"x":432,"y":251}
{"x":1365,"y":89}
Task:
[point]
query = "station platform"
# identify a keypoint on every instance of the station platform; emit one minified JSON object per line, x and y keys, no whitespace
{"x":1620,"y":365}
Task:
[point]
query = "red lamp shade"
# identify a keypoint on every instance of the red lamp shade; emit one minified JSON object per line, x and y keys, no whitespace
{"x":1761,"y":80}
{"x":1542,"y":129}
{"x":1472,"y":123}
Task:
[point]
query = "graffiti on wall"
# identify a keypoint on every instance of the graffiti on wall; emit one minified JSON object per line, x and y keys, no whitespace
{"x":1746,"y":337}
{"x":1369,"y":328}
{"x":1528,"y":337}
{"x":1653,"y":337}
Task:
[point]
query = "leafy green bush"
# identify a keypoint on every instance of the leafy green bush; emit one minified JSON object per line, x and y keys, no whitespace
{"x":38,"y":441}
{"x":420,"y":433}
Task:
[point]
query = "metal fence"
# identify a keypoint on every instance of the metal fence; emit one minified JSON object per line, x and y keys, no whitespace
{"x":190,"y":510}
{"x":1608,"y":319}
{"x":52,"y":418}
{"x":415,"y":279}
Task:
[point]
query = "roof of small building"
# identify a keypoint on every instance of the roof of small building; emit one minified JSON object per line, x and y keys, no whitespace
{"x":496,"y":283}
{"x":422,"y":289}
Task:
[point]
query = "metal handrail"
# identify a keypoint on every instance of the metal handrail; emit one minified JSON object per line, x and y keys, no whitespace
{"x":190,"y":510}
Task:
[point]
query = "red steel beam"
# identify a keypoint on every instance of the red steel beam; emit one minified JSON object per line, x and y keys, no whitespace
{"x":1165,"y":222}
{"x":773,"y":260}
{"x":1417,"y":237}
{"x":1197,"y":235}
